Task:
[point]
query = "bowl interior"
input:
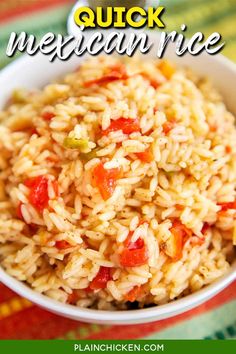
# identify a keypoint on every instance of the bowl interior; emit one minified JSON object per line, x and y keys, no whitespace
{"x":37,"y":71}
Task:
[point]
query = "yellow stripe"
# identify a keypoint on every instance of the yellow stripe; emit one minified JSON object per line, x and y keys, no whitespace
{"x":196,"y":14}
{"x":84,"y":331}
{"x":225,"y":26}
{"x":230,"y":50}
{"x":14,"y":305}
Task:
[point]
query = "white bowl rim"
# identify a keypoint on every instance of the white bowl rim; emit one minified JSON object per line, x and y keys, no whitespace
{"x":121,"y":316}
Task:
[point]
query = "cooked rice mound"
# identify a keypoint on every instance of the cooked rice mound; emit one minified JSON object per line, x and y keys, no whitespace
{"x":117,"y":185}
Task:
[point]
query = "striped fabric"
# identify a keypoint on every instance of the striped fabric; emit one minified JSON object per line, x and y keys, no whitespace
{"x":19,"y":318}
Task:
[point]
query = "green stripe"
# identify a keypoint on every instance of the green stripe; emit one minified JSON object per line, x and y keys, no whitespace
{"x":219,"y":335}
{"x":231,"y":330}
{"x":38,"y":24}
{"x":226,"y":333}
{"x":201,"y":326}
{"x":84,"y":330}
{"x":195,"y":17}
{"x":205,"y":23}
{"x":183,"y":5}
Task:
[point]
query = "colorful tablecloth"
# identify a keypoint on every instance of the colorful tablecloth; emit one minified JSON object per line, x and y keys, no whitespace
{"x":20,"y":319}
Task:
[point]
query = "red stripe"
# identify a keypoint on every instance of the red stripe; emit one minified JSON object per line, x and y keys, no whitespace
{"x":35,"y":323}
{"x":30,"y":7}
{"x":142,"y":330}
{"x":5,"y":293}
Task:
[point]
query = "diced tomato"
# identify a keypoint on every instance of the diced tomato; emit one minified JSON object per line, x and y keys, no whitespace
{"x":117,"y":72}
{"x":62,"y":245}
{"x":73,"y":297}
{"x":52,"y":158}
{"x":145,"y":156}
{"x":19,"y":212}
{"x":197,"y":241}
{"x":105,"y":180}
{"x":154,"y":83}
{"x":101,"y":279}
{"x":168,"y":126}
{"x":229,"y":205}
{"x":33,"y":131}
{"x":205,"y":228}
{"x":133,"y":294}
{"x":175,"y":244}
{"x":55,"y":187}
{"x":134,"y":253}
{"x":33,"y":228}
{"x":127,"y":125}
{"x":228,"y":149}
{"x":213,"y":128}
{"x":166,"y":68}
{"x":223,"y":213}
{"x":47,"y":115}
{"x":88,"y":290}
{"x":179,"y":235}
{"x":142,"y":221}
{"x":139,"y":243}
{"x":179,"y":207}
{"x":177,"y":225}
{"x":134,"y":257}
{"x":38,"y":195}
{"x":31,"y":182}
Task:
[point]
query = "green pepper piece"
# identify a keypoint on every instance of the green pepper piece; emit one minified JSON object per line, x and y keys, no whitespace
{"x":73,"y":143}
{"x":19,"y":96}
{"x":90,"y":155}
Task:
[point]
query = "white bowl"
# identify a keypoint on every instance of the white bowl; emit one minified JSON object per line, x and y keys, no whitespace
{"x":34,"y":72}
